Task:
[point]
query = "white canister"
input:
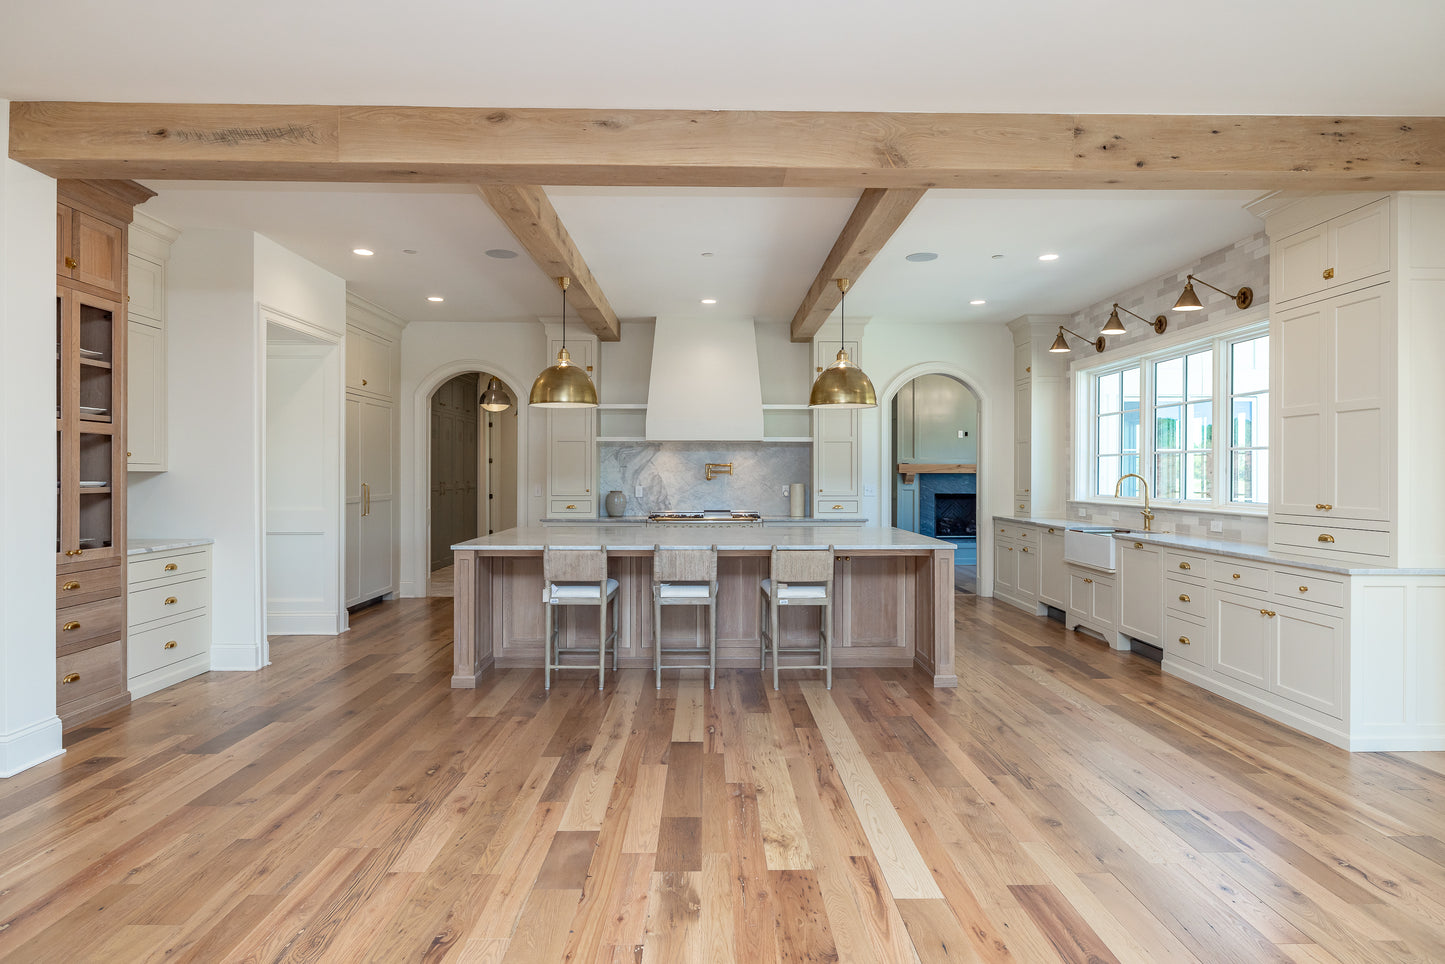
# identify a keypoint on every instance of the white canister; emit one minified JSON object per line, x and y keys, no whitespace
{"x":795,"y":500}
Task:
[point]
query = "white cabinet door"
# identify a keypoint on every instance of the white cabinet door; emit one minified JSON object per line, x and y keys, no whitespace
{"x":837,"y":468}
{"x":1309,"y":659}
{"x":1140,"y":588}
{"x":1299,"y":356}
{"x":1023,"y":446}
{"x":571,"y":462}
{"x":145,"y":398}
{"x":370,"y":500}
{"x":1028,"y":572}
{"x":1054,"y":574}
{"x":1300,"y":262}
{"x":1344,"y":251}
{"x":368,"y":363}
{"x":1241,"y":639}
{"x":1005,"y":568}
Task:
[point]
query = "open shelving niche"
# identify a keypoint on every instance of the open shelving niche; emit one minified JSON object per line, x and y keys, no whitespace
{"x":627,"y":422}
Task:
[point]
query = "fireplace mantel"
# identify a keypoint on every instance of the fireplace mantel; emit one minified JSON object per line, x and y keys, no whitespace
{"x":911,"y":469}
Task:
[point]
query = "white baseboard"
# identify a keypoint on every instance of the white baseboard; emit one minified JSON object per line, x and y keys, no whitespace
{"x":303,"y":624}
{"x":26,"y":747}
{"x":235,"y":657}
{"x":408,"y":590}
{"x":148,"y":683}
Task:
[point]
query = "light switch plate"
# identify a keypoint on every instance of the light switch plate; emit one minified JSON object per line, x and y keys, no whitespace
{"x":637,"y":489}
{"x":536,"y":491}
{"x":1216,"y":526}
{"x":870,"y":490}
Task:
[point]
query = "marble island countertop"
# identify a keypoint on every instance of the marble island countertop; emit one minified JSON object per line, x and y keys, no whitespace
{"x":642,"y":520}
{"x":622,"y":536}
{"x":137,"y":547}
{"x":1234,"y":550}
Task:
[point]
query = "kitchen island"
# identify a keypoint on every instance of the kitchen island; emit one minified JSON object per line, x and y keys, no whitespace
{"x":893,"y":596}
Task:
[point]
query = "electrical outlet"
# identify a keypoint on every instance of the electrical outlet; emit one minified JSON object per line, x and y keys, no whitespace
{"x":787,"y":490}
{"x":961,"y":433}
{"x":870,"y":490}
{"x":637,"y":489}
{"x":1216,"y":526}
{"x":1082,"y":513}
{"x":1114,"y":515}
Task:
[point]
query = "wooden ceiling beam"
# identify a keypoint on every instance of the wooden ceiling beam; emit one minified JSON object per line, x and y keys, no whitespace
{"x":529,"y":215}
{"x":727,"y":148}
{"x":877,"y":215}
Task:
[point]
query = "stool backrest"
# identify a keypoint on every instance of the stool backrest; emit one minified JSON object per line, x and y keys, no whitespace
{"x":803,"y":565}
{"x":574,"y":565}
{"x":684,"y":565}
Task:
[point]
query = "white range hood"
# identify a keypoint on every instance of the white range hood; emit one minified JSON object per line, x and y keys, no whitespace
{"x":704,"y":384}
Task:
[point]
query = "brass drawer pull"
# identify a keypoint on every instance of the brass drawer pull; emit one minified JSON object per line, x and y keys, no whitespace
{"x":1235,"y":576}
{"x":1025,"y":549}
{"x":170,"y":567}
{"x":1304,"y":588}
{"x":71,"y":263}
{"x":70,"y":678}
{"x":171,"y":600}
{"x":69,"y":626}
{"x":837,"y":507}
{"x":70,"y":586}
{"x":1326,"y":537}
{"x":1323,"y":506}
{"x":1268,"y":612}
{"x":1183,"y":597}
{"x":1051,"y":529}
{"x":1021,"y":505}
{"x":1138,"y":545}
{"x":571,"y":507}
{"x":363,"y":381}
{"x":1184,"y":640}
{"x":1086,"y":578}
{"x":170,"y":645}
{"x":74,"y":552}
{"x":1328,"y":274}
{"x":1184,"y":565}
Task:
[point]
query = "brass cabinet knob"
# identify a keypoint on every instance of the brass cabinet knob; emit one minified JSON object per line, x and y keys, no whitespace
{"x":363,"y":381}
{"x":171,"y":644}
{"x":70,"y":678}
{"x":1323,"y":506}
{"x":1051,"y":529}
{"x":1021,"y":505}
{"x":71,"y":263}
{"x":128,"y":454}
{"x":1235,"y":576}
{"x":1184,"y":640}
{"x":69,"y":626}
{"x":1184,"y":565}
{"x":1025,"y":549}
{"x":170,"y":567}
{"x":1011,"y":549}
{"x":1328,"y":274}
{"x":171,"y":600}
{"x":1326,"y":537}
{"x":70,"y":586}
{"x":1183,"y":597}
{"x":1304,"y":588}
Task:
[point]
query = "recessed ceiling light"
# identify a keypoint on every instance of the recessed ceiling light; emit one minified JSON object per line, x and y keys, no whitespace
{"x":435,"y":298}
{"x":921,"y":256}
{"x":998,"y":257}
{"x":408,"y":250}
{"x":978,"y":301}
{"x":501,"y":254}
{"x":1048,"y":257}
{"x":709,"y":301}
{"x":364,"y":252}
{"x":707,"y":254}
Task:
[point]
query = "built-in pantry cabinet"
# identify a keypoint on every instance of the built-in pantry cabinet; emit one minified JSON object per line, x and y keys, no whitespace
{"x":837,"y":457}
{"x":149,"y":244}
{"x":1039,"y":422}
{"x":373,"y":359}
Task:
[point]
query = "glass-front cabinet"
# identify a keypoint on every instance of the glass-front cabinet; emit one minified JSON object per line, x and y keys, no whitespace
{"x":89,"y":411}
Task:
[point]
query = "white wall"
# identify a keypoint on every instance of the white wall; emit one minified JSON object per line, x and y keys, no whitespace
{"x":431,"y":353}
{"x":215,"y":357}
{"x":29,"y":728}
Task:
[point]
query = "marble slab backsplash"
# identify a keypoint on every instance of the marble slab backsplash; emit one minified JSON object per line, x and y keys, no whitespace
{"x":1236,"y":528}
{"x":672,"y":474}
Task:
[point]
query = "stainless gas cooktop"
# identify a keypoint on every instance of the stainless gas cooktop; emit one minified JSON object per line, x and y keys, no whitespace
{"x":706,"y":517}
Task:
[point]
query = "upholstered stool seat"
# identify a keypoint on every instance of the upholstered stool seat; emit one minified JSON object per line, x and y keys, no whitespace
{"x":578,"y":577}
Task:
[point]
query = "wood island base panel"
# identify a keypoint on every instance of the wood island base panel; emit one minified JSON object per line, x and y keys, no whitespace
{"x":893,"y":604}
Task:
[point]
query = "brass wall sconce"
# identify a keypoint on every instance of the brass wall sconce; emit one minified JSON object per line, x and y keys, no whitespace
{"x":1061,"y":344}
{"x":1114,"y":326}
{"x":1189,"y":301}
{"x":713,"y":469}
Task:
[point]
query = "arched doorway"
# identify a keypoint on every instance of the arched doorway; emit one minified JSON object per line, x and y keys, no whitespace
{"x":471,"y":471}
{"x":935,"y":419}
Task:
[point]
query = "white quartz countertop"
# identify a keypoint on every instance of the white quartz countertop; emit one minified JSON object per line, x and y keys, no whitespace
{"x":622,"y":536}
{"x":1234,"y":550}
{"x":137,"y":547}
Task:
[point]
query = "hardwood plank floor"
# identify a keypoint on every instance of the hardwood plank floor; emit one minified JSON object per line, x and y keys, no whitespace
{"x":1065,"y":803}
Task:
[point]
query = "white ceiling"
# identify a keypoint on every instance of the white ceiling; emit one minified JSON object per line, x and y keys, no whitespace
{"x":645,"y":245}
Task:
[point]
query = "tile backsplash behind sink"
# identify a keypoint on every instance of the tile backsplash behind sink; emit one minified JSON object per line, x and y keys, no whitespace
{"x":1235,"y":528}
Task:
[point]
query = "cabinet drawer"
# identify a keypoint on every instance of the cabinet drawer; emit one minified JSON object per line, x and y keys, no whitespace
{"x":826,"y":506}
{"x":1186,"y":563}
{"x":1021,"y":505}
{"x":1181,"y":596}
{"x":80,"y":627}
{"x":79,"y":676}
{"x":582,"y":506}
{"x":1024,"y":535}
{"x":1236,"y":575}
{"x":76,"y":588}
{"x":152,"y":649}
{"x":174,"y":565}
{"x":169,"y":599}
{"x":1332,"y":539}
{"x":1183,"y":638}
{"x":1308,"y":587}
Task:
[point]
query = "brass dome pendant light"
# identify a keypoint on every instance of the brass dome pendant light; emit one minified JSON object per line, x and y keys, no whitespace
{"x":842,"y":384}
{"x":496,"y":398}
{"x":564,"y":385}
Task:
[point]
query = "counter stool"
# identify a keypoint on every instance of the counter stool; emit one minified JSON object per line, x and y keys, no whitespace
{"x":684,"y":577}
{"x":800,"y":577}
{"x":578,"y":577}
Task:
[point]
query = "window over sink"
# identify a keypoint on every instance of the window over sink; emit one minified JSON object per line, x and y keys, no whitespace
{"x":1192,"y":418}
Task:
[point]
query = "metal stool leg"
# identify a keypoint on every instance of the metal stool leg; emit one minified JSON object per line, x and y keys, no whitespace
{"x":712,"y":641}
{"x":547,"y":647}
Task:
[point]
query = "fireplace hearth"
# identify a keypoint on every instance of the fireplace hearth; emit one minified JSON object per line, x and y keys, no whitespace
{"x":954,"y":516}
